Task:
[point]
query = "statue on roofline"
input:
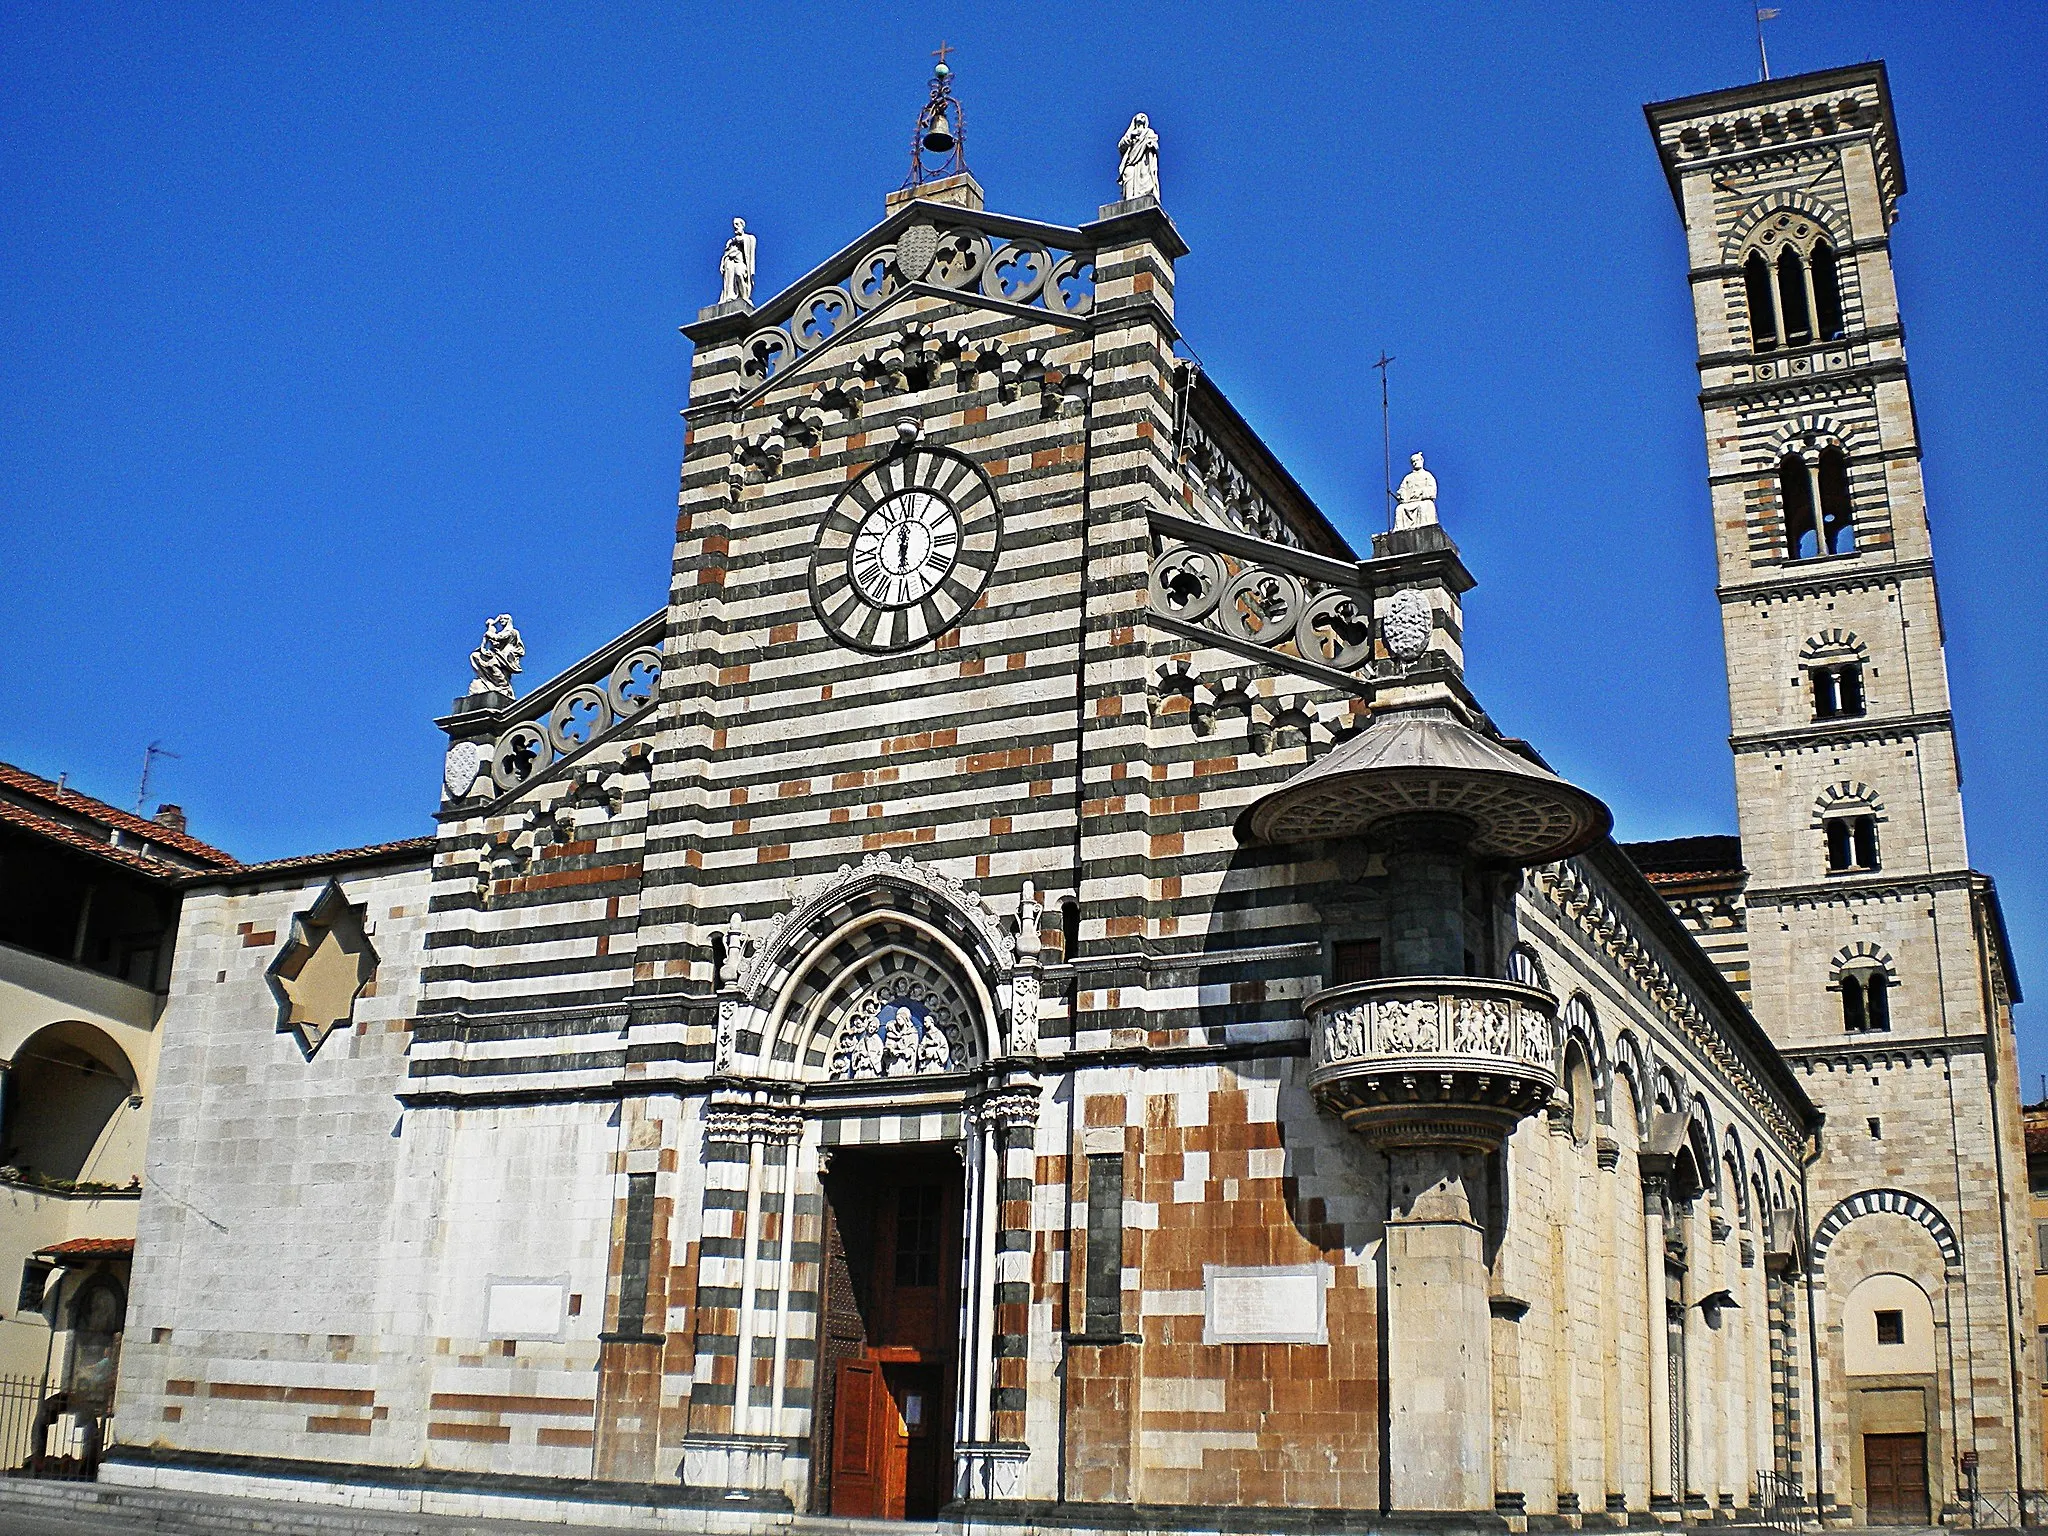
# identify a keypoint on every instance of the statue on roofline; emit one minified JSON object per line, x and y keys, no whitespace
{"x":500,"y":656}
{"x":1137,"y":163}
{"x":736,"y":266}
{"x":1415,"y":501}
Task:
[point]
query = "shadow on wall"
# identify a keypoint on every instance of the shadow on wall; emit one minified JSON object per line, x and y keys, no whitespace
{"x":69,"y":1084}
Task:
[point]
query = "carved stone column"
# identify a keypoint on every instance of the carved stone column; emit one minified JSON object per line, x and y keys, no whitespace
{"x":1439,"y":1362}
{"x":749,"y":1456}
{"x":1663,"y":1496}
{"x":991,"y":1461}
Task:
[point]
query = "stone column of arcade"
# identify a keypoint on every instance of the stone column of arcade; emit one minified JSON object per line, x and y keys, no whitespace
{"x":1436,"y":1063}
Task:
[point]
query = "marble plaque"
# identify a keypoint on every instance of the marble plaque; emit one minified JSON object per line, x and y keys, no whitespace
{"x":1264,"y":1304}
{"x":524,"y":1309}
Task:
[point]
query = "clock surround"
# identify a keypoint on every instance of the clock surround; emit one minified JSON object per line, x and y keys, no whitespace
{"x":905,"y":550}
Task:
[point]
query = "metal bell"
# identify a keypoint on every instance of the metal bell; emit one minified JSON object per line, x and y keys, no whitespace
{"x":939,"y":137}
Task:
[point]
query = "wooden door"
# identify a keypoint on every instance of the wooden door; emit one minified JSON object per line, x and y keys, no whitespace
{"x":891,"y":1315}
{"x":1895,"y":1479}
{"x":867,"y":1452}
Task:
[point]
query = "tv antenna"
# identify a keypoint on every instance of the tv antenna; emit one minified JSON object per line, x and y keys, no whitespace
{"x":150,"y":754}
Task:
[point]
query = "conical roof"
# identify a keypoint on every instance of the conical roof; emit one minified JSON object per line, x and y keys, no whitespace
{"x":1425,"y":761}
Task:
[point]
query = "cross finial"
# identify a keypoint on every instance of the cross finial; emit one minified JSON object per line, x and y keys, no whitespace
{"x":941,"y":51}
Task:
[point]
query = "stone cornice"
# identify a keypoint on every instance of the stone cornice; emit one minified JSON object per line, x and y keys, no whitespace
{"x":1832,"y":381}
{"x":1608,"y":930}
{"x":1831,"y":573}
{"x":1856,"y":728}
{"x":1856,"y":887}
{"x":1885,"y":1048}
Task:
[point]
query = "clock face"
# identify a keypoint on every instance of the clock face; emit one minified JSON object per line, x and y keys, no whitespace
{"x":905,"y":550}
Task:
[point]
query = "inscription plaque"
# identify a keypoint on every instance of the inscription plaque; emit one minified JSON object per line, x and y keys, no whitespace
{"x":1264,"y":1304}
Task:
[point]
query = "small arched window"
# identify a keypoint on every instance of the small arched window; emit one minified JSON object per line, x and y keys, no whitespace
{"x":1827,"y":293}
{"x":1524,"y":967}
{"x":1851,"y":842}
{"x":1838,"y":691}
{"x":1070,"y":928}
{"x":1792,"y":298}
{"x":1792,"y":284}
{"x":1866,"y":998}
{"x":1802,"y":534}
{"x":1763,"y":302}
{"x":1837,"y":521}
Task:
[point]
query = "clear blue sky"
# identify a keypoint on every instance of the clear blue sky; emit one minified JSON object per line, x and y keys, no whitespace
{"x":330,"y":331}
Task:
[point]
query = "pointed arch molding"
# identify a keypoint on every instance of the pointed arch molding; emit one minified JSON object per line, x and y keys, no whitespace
{"x":1804,"y":204}
{"x":827,"y":906}
{"x":1894,"y":1202}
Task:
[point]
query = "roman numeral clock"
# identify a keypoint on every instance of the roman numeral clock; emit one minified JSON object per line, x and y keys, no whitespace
{"x":905,"y":550}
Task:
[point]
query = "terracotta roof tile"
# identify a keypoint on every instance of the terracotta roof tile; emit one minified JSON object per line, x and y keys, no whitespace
{"x":373,"y":853}
{"x":70,"y":801}
{"x":1676,"y":860}
{"x":84,"y":842}
{"x":90,"y":1248}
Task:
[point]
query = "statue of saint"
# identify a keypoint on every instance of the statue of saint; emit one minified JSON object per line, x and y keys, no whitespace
{"x":1137,"y":160}
{"x":732,"y":958}
{"x":1415,"y":501}
{"x":498,"y":657}
{"x":736,"y":266}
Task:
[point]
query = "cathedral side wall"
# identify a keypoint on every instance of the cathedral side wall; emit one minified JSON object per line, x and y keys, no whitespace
{"x":260,"y":1320}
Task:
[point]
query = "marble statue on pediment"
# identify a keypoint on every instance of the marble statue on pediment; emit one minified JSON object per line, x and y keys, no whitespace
{"x":1415,"y":501}
{"x":736,"y":267}
{"x":1137,"y":163}
{"x":500,"y":656}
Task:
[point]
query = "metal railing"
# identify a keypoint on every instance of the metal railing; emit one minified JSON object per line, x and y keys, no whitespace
{"x":2004,"y":1511}
{"x":46,"y":1434}
{"x":1781,"y":1503}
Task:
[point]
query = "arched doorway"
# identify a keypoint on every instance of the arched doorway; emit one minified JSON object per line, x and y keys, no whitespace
{"x":896,"y":1019}
{"x":873,"y":1030}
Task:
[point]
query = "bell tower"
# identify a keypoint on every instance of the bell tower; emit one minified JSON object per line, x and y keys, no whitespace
{"x":1876,"y":956}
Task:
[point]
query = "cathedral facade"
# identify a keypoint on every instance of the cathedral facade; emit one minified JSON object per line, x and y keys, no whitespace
{"x":1032,"y":988}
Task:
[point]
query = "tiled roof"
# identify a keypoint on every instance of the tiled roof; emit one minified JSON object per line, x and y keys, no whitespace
{"x":70,"y":802}
{"x":1676,"y":860}
{"x":90,"y":1248}
{"x":374,"y":853}
{"x":71,"y":836}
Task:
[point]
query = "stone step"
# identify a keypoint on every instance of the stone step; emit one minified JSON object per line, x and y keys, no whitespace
{"x":102,"y":1507}
{"x":117,"y":1510}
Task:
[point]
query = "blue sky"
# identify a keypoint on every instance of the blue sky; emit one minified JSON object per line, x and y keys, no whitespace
{"x":330,"y":331}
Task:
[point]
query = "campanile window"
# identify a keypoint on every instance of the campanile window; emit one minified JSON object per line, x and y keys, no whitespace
{"x":1852,"y":843}
{"x":1838,"y":691}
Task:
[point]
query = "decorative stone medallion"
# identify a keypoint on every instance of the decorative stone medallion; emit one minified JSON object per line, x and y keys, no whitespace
{"x":465,"y":761}
{"x":1406,"y":624}
{"x":915,"y":250}
{"x":905,"y":550}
